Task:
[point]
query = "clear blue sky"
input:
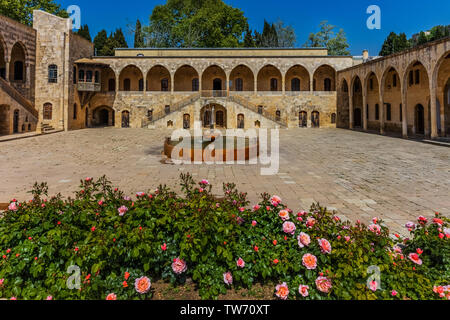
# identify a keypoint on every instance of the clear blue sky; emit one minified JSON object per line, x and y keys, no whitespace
{"x":409,"y":16}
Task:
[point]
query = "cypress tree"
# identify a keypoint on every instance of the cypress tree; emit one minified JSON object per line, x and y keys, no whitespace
{"x":138,"y":36}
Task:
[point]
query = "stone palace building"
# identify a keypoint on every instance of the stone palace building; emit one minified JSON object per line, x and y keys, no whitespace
{"x":51,"y":80}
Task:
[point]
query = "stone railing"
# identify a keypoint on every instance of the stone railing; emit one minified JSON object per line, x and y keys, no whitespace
{"x":253,"y":107}
{"x":89,"y":86}
{"x":214,"y":93}
{"x":173,"y":108}
{"x":19,"y":98}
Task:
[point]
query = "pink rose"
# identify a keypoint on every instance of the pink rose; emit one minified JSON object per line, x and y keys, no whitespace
{"x":303,"y":240}
{"x":325,"y":245}
{"x":240,"y":263}
{"x":228,"y":278}
{"x":122,"y":210}
{"x":13,"y":206}
{"x":323,"y":284}
{"x":373,"y":285}
{"x":142,"y":285}
{"x":111,"y":296}
{"x":256,"y":207}
{"x":289,"y":227}
{"x":303,"y":290}
{"x":254,"y":223}
{"x":179,"y":266}
{"x":414,"y":257}
{"x":284,"y":215}
{"x":282,"y":291}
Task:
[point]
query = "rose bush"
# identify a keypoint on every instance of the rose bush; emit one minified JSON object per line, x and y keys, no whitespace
{"x":121,"y":245}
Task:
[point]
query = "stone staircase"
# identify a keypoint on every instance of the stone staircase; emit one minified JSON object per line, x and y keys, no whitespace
{"x":46,"y":128}
{"x":233,"y":98}
{"x":17,"y":96}
{"x":173,"y":108}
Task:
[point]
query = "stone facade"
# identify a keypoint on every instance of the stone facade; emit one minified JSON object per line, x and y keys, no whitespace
{"x":407,"y":92}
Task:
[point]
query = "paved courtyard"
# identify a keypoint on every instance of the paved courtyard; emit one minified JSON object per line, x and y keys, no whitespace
{"x":360,"y":175}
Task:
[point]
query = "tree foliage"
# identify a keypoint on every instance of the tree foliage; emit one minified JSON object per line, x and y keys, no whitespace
{"x":138,"y":36}
{"x":22,"y":10}
{"x":195,"y":23}
{"x":84,"y":32}
{"x":104,"y":45}
{"x":336,"y":43}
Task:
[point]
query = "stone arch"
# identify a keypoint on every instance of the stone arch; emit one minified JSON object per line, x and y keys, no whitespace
{"x":300,"y":73}
{"x":391,"y":89}
{"x":441,"y":85}
{"x":158,"y":79}
{"x":125,"y":118}
{"x":269,"y":78}
{"x":47,"y":111}
{"x":324,"y":78}
{"x":214,"y":78}
{"x":17,"y":63}
{"x":417,"y":88}
{"x":108,"y":80}
{"x":372,"y":92}
{"x":242,"y":78}
{"x":213,"y":113}
{"x":240,"y":121}
{"x":357,"y":98}
{"x":103,"y":116}
{"x":315,"y":119}
{"x":186,"y":78}
{"x":130,"y":78}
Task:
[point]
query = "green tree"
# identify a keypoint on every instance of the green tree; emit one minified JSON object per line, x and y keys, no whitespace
{"x":249,"y":40}
{"x":326,"y":38}
{"x":285,"y":35}
{"x":22,"y":10}
{"x":119,"y":39}
{"x":268,"y":38}
{"x":84,"y":32}
{"x":195,"y":23}
{"x":100,"y":42}
{"x":388,"y":46}
{"x":422,"y":39}
{"x":138,"y":36}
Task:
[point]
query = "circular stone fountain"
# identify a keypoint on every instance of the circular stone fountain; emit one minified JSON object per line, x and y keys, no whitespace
{"x":212,"y":148}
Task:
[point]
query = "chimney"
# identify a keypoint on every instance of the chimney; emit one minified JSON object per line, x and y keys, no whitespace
{"x":365,"y":55}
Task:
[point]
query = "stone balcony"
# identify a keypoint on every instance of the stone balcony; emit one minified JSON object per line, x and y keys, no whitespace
{"x":89,"y":87}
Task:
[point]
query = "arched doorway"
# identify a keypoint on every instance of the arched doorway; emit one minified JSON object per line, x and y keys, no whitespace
{"x":303,"y":119}
{"x":103,"y":116}
{"x":213,"y":79}
{"x":213,"y":115}
{"x":16,"y":121}
{"x":324,"y":78}
{"x":217,"y":84}
{"x":419,"y":119}
{"x":242,"y":79}
{"x":357,"y":117}
{"x":269,"y":78}
{"x":125,"y":119}
{"x":186,"y":79}
{"x":17,"y":70}
{"x":297,"y":79}
{"x":315,"y":119}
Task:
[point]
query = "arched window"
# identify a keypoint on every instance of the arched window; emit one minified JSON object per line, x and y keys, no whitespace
{"x":75,"y":111}
{"x":164,"y":85}
{"x":18,"y":71}
{"x":195,"y":84}
{"x":52,"y":73}
{"x":295,"y":84}
{"x":239,"y":84}
{"x":273,"y":84}
{"x":240,"y":121}
{"x":186,"y":121}
{"x":48,"y":111}
{"x":112,"y":84}
{"x":81,"y":76}
{"x":278,"y":115}
{"x":333,"y":118}
{"x":327,"y":84}
{"x":126,"y":84}
{"x":345,"y":86}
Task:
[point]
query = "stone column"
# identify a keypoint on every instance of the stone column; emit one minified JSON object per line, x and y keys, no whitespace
{"x":283,"y":84}
{"x":7,"y":70}
{"x":255,"y":78}
{"x":434,"y":129}
{"x":117,"y":85}
{"x":404,"y":115}
{"x":381,"y":114}
{"x":350,"y":109}
{"x":227,"y":76}
{"x":364,"y":106}
{"x":172,"y":83}
{"x":311,"y":82}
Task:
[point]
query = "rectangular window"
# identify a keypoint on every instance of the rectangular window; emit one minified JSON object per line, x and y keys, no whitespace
{"x":388,"y":112}
{"x":164,"y":85}
{"x":417,"y":76}
{"x":371,"y":84}
{"x":377,"y":112}
{"x":401,"y":112}
{"x":394,"y":80}
{"x":367,"y":112}
{"x":167,"y":109}
{"x":411,"y":78}
{"x":195,"y":84}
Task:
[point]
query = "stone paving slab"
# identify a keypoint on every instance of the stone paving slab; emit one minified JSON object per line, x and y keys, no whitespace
{"x":360,"y":175}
